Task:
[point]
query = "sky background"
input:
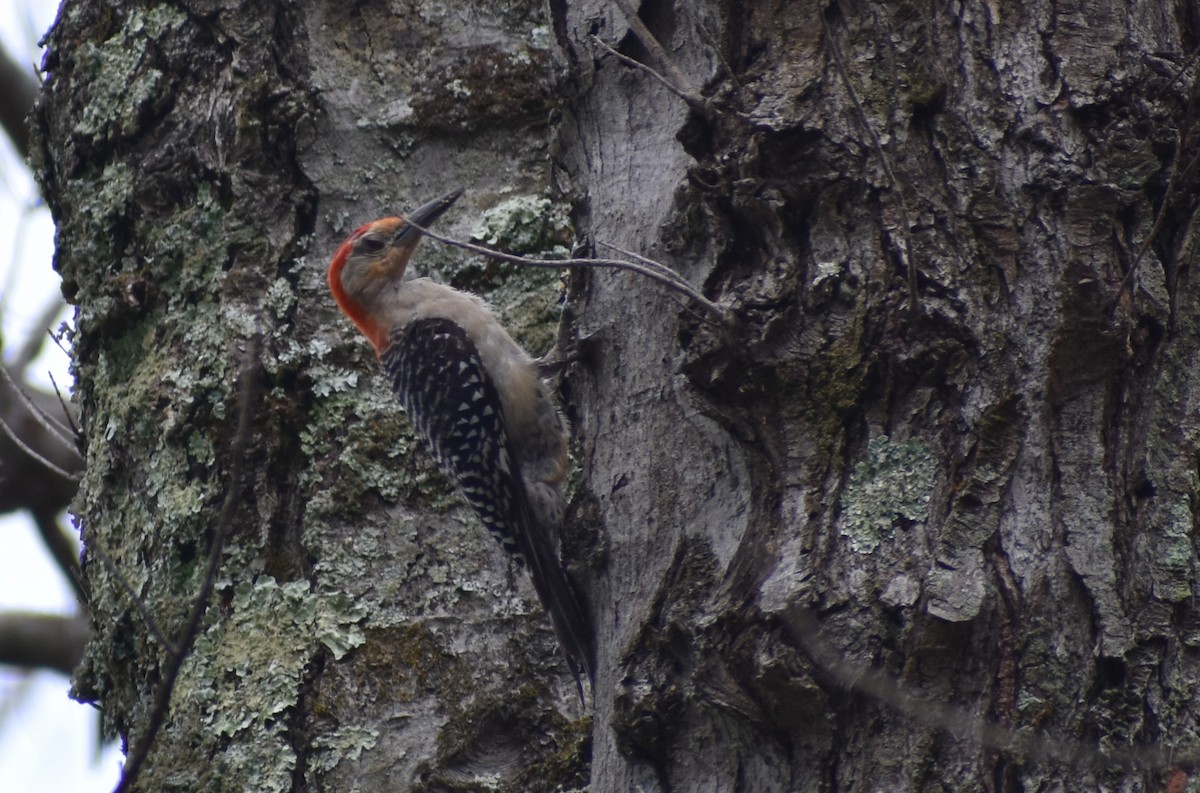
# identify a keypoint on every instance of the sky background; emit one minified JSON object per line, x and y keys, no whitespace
{"x":48,"y":742}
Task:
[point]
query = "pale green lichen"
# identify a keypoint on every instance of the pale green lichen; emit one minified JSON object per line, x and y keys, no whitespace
{"x":247,"y":668}
{"x":892,"y":486}
{"x":280,"y":299}
{"x":526,"y":224}
{"x":122,"y":83}
{"x":347,"y":742}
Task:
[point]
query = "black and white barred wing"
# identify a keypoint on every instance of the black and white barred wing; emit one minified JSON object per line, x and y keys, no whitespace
{"x":437,"y":373}
{"x":439,"y":377}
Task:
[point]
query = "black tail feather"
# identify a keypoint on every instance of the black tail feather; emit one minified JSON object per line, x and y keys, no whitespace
{"x":559,"y":597}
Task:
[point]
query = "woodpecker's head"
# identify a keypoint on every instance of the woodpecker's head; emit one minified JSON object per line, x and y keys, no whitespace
{"x":374,"y":258}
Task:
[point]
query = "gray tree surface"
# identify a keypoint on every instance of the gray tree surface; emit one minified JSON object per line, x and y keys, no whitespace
{"x":918,"y":514}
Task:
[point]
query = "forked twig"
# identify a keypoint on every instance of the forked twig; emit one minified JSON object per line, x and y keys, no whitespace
{"x":657,"y":272}
{"x":48,"y":422}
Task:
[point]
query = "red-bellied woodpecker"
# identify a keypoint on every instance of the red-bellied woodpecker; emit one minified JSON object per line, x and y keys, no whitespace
{"x":475,"y":397}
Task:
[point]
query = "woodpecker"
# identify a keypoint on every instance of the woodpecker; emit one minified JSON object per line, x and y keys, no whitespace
{"x":475,"y":397}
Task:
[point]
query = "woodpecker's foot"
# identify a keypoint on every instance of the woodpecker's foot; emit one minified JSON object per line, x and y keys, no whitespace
{"x":553,"y":363}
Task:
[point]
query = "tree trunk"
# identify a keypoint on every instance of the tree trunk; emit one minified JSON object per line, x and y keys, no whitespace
{"x":919,"y":515}
{"x":203,"y":159}
{"x":945,"y":456}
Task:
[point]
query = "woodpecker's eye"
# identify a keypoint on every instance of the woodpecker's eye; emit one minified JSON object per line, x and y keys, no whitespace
{"x":370,"y":245}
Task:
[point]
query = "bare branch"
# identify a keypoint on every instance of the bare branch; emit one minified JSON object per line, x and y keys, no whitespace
{"x":59,"y":432}
{"x":33,"y":345}
{"x":674,"y":79}
{"x":41,"y":459}
{"x":1172,"y":175}
{"x":63,"y":549}
{"x":804,"y":629}
{"x":658,"y":272}
{"x":98,"y":550}
{"x":690,"y":98}
{"x":906,"y":247}
{"x":20,"y":91}
{"x":63,"y":403}
{"x":44,"y":641}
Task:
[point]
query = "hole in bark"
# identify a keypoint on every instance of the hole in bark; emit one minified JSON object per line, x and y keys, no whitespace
{"x":1110,"y":673}
{"x":696,"y":137}
{"x":187,"y":552}
{"x":1144,"y":489}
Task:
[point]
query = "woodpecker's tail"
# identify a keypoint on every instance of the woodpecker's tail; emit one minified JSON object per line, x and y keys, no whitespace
{"x":561,"y":599}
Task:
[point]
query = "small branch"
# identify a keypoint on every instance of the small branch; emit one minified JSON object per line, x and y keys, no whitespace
{"x":63,"y":403}
{"x":657,"y":267}
{"x":658,"y":272}
{"x":42,"y":641}
{"x":693,"y":100}
{"x":684,"y":286}
{"x":675,"y":79}
{"x":33,"y":345}
{"x":1127,"y":281}
{"x":12,"y":436}
{"x":63,"y":550}
{"x":98,"y":550}
{"x":237,"y":452}
{"x":805,"y":631}
{"x":54,"y":337}
{"x":21,"y":90}
{"x":49,"y":423}
{"x":712,"y":44}
{"x":906,"y":247}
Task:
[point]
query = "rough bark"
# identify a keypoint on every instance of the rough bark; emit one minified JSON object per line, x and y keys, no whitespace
{"x":202,"y":160}
{"x":938,"y":428}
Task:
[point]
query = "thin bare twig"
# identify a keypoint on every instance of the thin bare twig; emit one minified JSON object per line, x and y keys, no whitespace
{"x":33,"y":345}
{"x":806,"y":632}
{"x":162,"y":700}
{"x":1127,"y":281}
{"x":674,"y":77}
{"x":691,"y":99}
{"x":59,"y":432}
{"x":66,"y":410}
{"x":109,"y":565}
{"x":12,"y":436}
{"x":906,"y":247}
{"x":667,"y":272}
{"x":664,"y":269}
{"x":57,"y":341}
{"x":659,"y":272}
{"x":62,"y":549}
{"x":712,"y":44}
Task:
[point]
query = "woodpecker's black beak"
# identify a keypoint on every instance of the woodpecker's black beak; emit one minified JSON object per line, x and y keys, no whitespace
{"x":423,"y":216}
